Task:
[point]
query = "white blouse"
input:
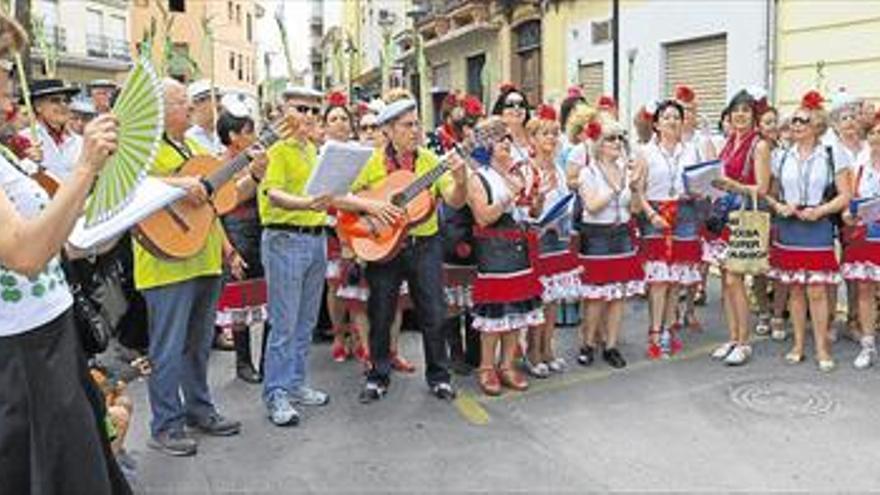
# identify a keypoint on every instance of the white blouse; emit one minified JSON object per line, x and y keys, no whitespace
{"x":592,"y":180}
{"x":58,"y":158}
{"x":802,"y":183}
{"x":868,"y":177}
{"x":664,"y":180}
{"x":27,"y":303}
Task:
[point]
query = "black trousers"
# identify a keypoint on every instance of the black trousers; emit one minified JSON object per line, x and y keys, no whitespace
{"x":420,"y":263}
{"x":52,"y":437}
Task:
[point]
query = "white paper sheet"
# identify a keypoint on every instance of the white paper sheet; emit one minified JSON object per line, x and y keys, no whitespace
{"x":867,"y":210}
{"x":699,"y":178}
{"x":149,"y":197}
{"x":338,"y":167}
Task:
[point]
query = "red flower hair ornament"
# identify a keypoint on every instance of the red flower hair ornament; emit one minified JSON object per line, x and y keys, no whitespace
{"x":812,"y":100}
{"x":337,"y":99}
{"x":606,"y":102}
{"x":575,"y":92}
{"x":451,"y":100}
{"x":546,"y":112}
{"x":684,"y":94}
{"x":472,"y":106}
{"x":363,"y":108}
{"x":593,"y":130}
{"x":506,"y":87}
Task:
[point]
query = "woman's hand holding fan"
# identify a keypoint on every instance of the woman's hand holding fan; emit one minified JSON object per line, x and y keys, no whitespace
{"x":100,"y":139}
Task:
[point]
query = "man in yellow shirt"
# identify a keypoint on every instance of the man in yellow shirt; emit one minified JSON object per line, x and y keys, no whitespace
{"x":294,"y":252}
{"x":181,"y":298}
{"x":419,"y":262}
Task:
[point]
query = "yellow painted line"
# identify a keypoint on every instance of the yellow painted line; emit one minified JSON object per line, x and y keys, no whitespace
{"x":470,"y":409}
{"x":471,"y":406}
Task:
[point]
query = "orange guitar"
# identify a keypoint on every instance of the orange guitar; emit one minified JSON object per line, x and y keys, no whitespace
{"x":375,"y":241}
{"x":180,"y":230}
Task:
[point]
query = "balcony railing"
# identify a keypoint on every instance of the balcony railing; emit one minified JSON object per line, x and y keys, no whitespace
{"x":56,"y":37}
{"x":101,"y":46}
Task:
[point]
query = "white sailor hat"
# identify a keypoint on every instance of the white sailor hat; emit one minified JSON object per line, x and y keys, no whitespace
{"x":395,"y":110}
{"x":291,"y":91}
{"x":236,"y":104}
{"x":199,"y":89}
{"x":83,"y":106}
{"x":103,"y":83}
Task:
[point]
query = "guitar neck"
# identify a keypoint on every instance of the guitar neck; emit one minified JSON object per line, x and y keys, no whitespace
{"x":225,"y":173}
{"x":426,"y":181}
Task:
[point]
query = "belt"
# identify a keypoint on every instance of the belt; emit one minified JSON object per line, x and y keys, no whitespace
{"x":298,"y":229}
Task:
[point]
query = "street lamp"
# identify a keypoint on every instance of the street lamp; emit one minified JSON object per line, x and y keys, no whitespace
{"x":418,"y":12}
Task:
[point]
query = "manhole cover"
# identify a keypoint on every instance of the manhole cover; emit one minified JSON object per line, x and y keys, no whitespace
{"x":782,"y":398}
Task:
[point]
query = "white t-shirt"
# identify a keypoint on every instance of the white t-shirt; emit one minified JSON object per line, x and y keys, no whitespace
{"x":26,"y":303}
{"x":665,"y":181}
{"x":209,"y":141}
{"x":592,"y":179}
{"x":802,"y":183}
{"x":58,"y":158}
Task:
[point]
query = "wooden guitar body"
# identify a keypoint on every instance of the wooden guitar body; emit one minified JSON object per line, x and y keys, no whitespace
{"x":374,"y":241}
{"x":47,"y":181}
{"x":180,"y":230}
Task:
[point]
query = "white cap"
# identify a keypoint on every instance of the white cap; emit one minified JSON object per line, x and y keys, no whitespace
{"x":83,"y":105}
{"x":376,"y":105}
{"x":301,"y":91}
{"x":236,"y":104}
{"x":394,"y":110}
{"x":841,"y":100}
{"x":199,"y":89}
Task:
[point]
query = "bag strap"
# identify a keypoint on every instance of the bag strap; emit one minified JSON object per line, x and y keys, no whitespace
{"x":829,"y":160}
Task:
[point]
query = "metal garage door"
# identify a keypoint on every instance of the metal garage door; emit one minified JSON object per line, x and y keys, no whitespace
{"x":591,"y":78}
{"x":702,"y":65}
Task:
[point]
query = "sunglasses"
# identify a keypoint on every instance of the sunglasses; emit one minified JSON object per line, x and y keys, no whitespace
{"x":614,"y":137}
{"x":369,"y":127}
{"x":800,"y":120}
{"x":306,"y":109}
{"x":515,"y":104}
{"x":58,"y":99}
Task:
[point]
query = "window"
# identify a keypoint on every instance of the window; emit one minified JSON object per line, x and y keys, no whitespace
{"x":250,"y":27}
{"x":229,"y":6}
{"x":240,"y":67}
{"x":238,"y":14}
{"x":601,"y":32}
{"x":231,"y":61}
{"x":591,"y":78}
{"x":475,"y":66}
{"x":526,"y":63}
{"x":177,"y":5}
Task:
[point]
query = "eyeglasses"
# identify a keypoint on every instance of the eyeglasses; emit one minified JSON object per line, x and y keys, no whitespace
{"x":306,"y":109}
{"x":614,"y":137}
{"x":847,"y":116}
{"x":369,"y":127}
{"x":800,"y":120}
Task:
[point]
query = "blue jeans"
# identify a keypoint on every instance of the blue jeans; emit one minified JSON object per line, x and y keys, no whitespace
{"x":181,"y":327}
{"x":294,"y":265}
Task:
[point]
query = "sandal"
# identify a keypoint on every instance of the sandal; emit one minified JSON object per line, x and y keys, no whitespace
{"x":655,"y":351}
{"x":401,"y":364}
{"x":489,"y":382}
{"x":794,"y":358}
{"x":513,"y":380}
{"x":777,"y":329}
{"x":763,"y":326}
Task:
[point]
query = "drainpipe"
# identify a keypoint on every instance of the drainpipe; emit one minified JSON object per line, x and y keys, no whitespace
{"x":615,"y":64}
{"x":771,"y":9}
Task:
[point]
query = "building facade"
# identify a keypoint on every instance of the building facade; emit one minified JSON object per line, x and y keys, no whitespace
{"x":826,"y":45}
{"x":216,"y":36}
{"x":89,"y":38}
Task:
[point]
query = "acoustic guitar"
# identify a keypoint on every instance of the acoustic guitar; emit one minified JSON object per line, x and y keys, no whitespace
{"x":374,"y":241}
{"x":180,"y":230}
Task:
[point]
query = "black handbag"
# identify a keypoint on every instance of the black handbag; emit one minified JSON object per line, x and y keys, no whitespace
{"x":99,"y":301}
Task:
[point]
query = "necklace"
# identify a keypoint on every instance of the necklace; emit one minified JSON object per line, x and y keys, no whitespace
{"x":673,"y":167}
{"x":616,"y":189}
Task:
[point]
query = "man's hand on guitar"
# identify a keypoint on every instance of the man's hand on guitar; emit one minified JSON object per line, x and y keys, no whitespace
{"x":386,"y":212}
{"x":458,"y":168}
{"x":196,"y":193}
{"x":259,"y":162}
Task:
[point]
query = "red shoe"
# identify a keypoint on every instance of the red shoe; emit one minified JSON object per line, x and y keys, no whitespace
{"x":654,"y":351}
{"x":338,"y":351}
{"x":362,"y":354}
{"x":675,"y":344}
{"x":401,"y":364}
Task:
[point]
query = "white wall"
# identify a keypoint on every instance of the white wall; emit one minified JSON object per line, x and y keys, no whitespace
{"x":647,"y":26}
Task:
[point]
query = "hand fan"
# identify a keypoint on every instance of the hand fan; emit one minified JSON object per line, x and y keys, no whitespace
{"x":140,"y":112}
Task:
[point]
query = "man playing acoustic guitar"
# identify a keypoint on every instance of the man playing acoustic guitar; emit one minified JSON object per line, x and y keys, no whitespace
{"x":420,"y":259}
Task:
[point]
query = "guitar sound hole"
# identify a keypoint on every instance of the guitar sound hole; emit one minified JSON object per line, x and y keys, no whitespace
{"x":398,"y":200}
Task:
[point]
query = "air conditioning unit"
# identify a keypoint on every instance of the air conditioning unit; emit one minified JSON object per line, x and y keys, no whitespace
{"x":601,"y":32}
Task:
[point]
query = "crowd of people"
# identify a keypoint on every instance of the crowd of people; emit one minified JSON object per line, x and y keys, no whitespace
{"x":542,"y":205}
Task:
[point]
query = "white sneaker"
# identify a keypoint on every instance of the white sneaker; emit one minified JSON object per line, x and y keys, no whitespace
{"x":866,"y":358}
{"x":723,"y":350}
{"x":738,"y":356}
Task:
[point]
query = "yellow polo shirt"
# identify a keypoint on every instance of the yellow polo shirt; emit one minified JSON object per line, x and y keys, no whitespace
{"x":290,"y":166}
{"x":150,"y":271}
{"x":375,"y":171}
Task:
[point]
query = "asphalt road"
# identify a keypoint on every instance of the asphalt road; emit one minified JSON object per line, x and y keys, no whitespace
{"x":686,"y":424}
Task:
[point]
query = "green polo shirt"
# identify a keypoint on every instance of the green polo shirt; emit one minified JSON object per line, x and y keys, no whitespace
{"x":150,"y":271}
{"x":375,"y":171}
{"x":290,"y":166}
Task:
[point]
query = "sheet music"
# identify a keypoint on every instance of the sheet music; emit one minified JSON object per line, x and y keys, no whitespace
{"x":867,"y":210}
{"x":150,"y":196}
{"x":337,"y":169}
{"x":699,"y":179}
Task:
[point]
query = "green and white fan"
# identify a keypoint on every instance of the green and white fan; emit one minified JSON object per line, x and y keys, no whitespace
{"x":140,"y":112}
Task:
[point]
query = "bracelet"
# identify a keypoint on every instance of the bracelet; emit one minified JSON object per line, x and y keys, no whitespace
{"x":207,"y":185}
{"x":254,"y":177}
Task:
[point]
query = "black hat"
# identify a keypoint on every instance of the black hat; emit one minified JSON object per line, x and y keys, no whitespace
{"x":42,"y":88}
